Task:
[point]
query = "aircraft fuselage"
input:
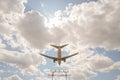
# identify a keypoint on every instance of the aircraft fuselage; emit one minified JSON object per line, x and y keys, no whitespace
{"x":59,"y":56}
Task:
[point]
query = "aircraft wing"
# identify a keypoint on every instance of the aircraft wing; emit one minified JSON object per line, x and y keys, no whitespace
{"x":48,"y":56}
{"x":69,"y":56}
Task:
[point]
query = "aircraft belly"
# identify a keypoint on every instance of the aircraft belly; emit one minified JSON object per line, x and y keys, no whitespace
{"x":59,"y":57}
{"x":59,"y":62}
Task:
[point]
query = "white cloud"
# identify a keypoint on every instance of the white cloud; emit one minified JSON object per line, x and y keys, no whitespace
{"x":4,"y":27}
{"x":32,"y":28}
{"x":1,"y":71}
{"x":10,"y":11}
{"x":13,"y":77}
{"x":82,"y":74}
{"x":89,"y":66}
{"x":19,"y":59}
{"x":115,"y":66}
{"x":87,"y":24}
{"x":26,"y":62}
{"x":41,"y":78}
{"x":7,"y":6}
{"x":118,"y":77}
{"x":31,"y":70}
{"x":100,"y":62}
{"x":93,"y":24}
{"x":1,"y":44}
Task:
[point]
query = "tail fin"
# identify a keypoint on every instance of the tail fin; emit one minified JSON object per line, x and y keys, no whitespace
{"x":59,"y":46}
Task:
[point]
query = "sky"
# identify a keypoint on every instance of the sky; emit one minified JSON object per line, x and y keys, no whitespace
{"x":90,"y":27}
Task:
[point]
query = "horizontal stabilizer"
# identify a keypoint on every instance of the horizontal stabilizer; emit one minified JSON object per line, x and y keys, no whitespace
{"x":63,"y":45}
{"x":59,"y":46}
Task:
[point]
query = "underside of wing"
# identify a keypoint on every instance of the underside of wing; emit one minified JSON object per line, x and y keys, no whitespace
{"x":49,"y":56}
{"x":63,"y":58}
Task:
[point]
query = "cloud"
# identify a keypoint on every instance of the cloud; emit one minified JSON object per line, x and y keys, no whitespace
{"x":13,"y":77}
{"x":82,"y":74}
{"x":10,"y":12}
{"x":31,"y":70}
{"x":103,"y":63}
{"x":4,"y":24}
{"x":26,"y":62}
{"x":7,"y":6}
{"x":1,"y":72}
{"x":93,"y":24}
{"x":88,"y":67}
{"x":118,"y":77}
{"x":86,"y":25}
{"x":9,"y":19}
{"x":1,"y":44}
{"x":19,"y":59}
{"x":32,"y":28}
{"x":100,"y":62}
{"x":41,"y":78}
{"x":115,"y":66}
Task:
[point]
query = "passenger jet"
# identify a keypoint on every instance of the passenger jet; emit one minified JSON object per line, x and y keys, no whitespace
{"x":59,"y":58}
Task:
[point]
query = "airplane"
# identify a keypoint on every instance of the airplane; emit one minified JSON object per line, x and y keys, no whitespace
{"x":59,"y":58}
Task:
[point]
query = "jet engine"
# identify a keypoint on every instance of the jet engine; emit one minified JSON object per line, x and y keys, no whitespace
{"x":64,"y":60}
{"x":54,"y":60}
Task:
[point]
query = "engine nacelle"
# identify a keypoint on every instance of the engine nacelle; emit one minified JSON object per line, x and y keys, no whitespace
{"x":54,"y":60}
{"x":64,"y":60}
